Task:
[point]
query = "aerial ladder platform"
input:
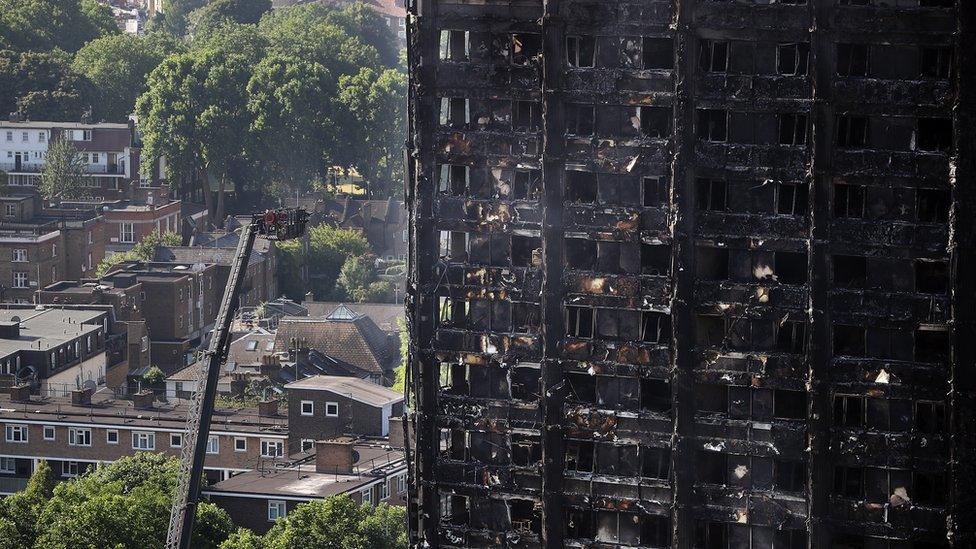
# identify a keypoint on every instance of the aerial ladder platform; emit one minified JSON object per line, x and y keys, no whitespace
{"x":279,"y":224}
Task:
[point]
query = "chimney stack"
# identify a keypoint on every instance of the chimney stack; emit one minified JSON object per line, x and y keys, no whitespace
{"x":81,"y":397}
{"x":268,"y":408}
{"x":335,"y":455}
{"x":143,"y":400}
{"x":20,"y":393}
{"x":396,"y":432}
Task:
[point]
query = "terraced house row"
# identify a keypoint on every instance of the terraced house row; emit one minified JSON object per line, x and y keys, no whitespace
{"x":692,"y":274}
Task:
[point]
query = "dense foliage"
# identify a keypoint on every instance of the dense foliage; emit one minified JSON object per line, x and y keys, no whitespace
{"x":122,"y":505}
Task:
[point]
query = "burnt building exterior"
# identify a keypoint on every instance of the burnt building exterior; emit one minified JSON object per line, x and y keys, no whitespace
{"x":693,"y":274}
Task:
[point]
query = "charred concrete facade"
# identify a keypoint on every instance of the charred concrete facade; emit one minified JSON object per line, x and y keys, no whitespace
{"x":693,"y":274}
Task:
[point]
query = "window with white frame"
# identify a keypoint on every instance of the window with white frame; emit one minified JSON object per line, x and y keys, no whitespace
{"x":213,"y":445}
{"x":20,"y":280}
{"x":16,"y":433}
{"x":308,"y":444}
{"x":401,"y":481}
{"x":276,"y":510}
{"x":175,"y":440}
{"x":49,"y":432}
{"x":25,"y":137}
{"x":69,"y":468}
{"x":78,"y":436}
{"x":127,"y":232}
{"x":272,"y":448}
{"x":331,"y":409}
{"x":308,"y":408}
{"x":385,"y":490}
{"x":111,"y":436}
{"x":54,"y":250}
{"x":11,"y":210}
{"x":8,"y":465}
{"x":366,"y":494}
{"x":20,"y":255}
{"x":41,"y":137}
{"x":143,"y":441}
{"x":10,"y":136}
{"x":240,"y":444}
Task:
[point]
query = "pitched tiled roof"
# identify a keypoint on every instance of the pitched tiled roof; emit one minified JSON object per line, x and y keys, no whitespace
{"x":385,"y":315}
{"x":359,"y":342}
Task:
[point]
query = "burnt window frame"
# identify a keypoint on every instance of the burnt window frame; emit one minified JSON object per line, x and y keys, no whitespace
{"x":848,"y":482}
{"x":801,"y":59}
{"x":838,"y":352}
{"x":791,"y":411}
{"x":936,"y":62}
{"x":794,"y":195}
{"x":848,"y":201}
{"x":939,"y":142}
{"x":792,"y":129}
{"x":790,"y":337}
{"x":711,"y":194}
{"x":448,"y":42}
{"x":575,"y":44}
{"x":575,"y":124}
{"x":932,"y":205}
{"x":714,"y":56}
{"x":447,"y":179}
{"x":533,"y":184}
{"x":577,"y":328}
{"x":847,"y":60}
{"x":937,"y":420}
{"x":712,"y":125}
{"x":655,"y":327}
{"x":661,"y":191}
{"x":645,"y":53}
{"x":648,"y":112}
{"x":931,"y":283}
{"x":521,"y":59}
{"x":533,"y":112}
{"x":853,"y":131}
{"x":849,"y":411}
{"x":790,"y":475}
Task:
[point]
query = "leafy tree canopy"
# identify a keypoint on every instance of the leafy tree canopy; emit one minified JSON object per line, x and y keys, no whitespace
{"x":117,"y":67}
{"x":338,"y":523}
{"x":63,"y":177}
{"x":45,"y":25}
{"x":41,"y":86}
{"x":219,"y":12}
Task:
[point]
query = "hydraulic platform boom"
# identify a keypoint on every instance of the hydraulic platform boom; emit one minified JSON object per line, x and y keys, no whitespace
{"x":274,"y":225}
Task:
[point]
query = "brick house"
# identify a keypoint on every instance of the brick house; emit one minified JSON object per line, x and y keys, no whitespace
{"x":260,"y":283}
{"x":179,"y":303}
{"x":125,"y":303}
{"x":322,"y":407}
{"x":366,"y":470}
{"x":89,"y":429}
{"x":126,"y":222}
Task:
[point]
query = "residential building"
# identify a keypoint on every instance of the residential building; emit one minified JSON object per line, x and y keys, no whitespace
{"x":128,"y":222}
{"x":126,"y":305}
{"x":383,"y":223}
{"x":53,"y":351}
{"x":348,"y":337}
{"x":179,"y":303}
{"x":692,"y":274}
{"x":260,"y":282}
{"x":321,"y":407}
{"x":366,"y":470}
{"x":109,"y":151}
{"x":40,"y":246}
{"x":88,"y":429}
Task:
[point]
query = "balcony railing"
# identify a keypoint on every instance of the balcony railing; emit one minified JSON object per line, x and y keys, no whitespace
{"x":38,"y":167}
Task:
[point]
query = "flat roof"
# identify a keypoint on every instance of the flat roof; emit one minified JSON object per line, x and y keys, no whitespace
{"x":110,"y":411}
{"x":354,"y":388}
{"x":49,"y":328}
{"x":65,"y":125}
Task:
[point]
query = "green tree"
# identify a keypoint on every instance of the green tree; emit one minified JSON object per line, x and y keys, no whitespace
{"x":305,"y":32}
{"x":19,"y":512}
{"x":354,"y":279}
{"x":293,"y":122}
{"x":173,"y":20}
{"x":195,"y":114}
{"x":123,"y":504}
{"x":376,"y":104}
{"x":400,"y":379}
{"x":117,"y":67}
{"x":329,"y":247}
{"x":63,"y":176}
{"x":369,"y":26}
{"x":41,"y":86}
{"x":45,"y":25}
{"x":153,"y":376}
{"x":241,"y":539}
{"x":144,"y":250}
{"x":218,"y":12}
{"x":338,"y":523}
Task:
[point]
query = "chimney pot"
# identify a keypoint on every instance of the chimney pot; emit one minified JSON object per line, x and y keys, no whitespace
{"x":81,"y":397}
{"x":20,"y":393}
